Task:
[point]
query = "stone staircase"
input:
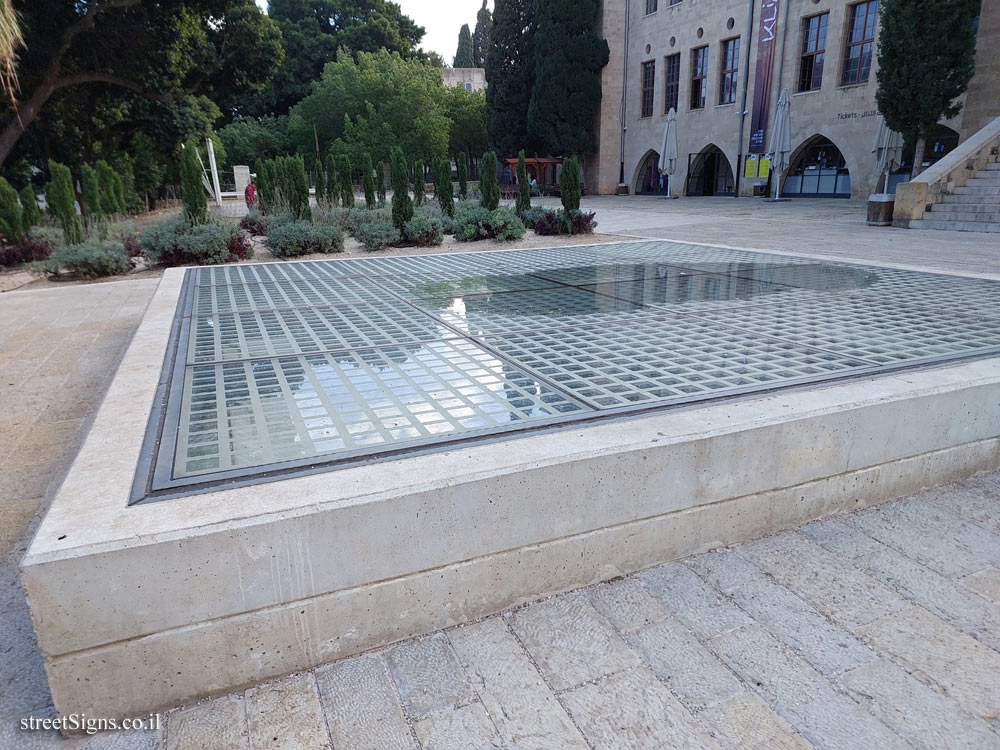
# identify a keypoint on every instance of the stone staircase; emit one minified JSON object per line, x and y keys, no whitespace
{"x":974,"y":207}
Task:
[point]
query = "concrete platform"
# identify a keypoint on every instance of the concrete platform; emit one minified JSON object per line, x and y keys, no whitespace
{"x":144,"y":607}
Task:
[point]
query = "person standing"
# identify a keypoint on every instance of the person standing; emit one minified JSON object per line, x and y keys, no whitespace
{"x":250,"y":195}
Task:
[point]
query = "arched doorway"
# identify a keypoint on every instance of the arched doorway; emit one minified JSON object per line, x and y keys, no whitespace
{"x":648,"y":180}
{"x":709,"y":172}
{"x":817,"y":169}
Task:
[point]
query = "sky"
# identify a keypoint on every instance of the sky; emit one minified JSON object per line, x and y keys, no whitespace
{"x":440,"y":18}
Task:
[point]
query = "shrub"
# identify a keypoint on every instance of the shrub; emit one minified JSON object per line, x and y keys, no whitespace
{"x":580,"y":222}
{"x":91,"y":259}
{"x":447,"y":222}
{"x":377,"y":235}
{"x":462,"y":164}
{"x":569,"y":184}
{"x":549,"y":222}
{"x":174,"y":242}
{"x":304,"y":237}
{"x":523,"y":186}
{"x":30,"y":213}
{"x":424,"y":231}
{"x":443,"y":190}
{"x":28,"y":250}
{"x":503,"y":224}
{"x":51,"y":236}
{"x":489,"y":187}
{"x":238,"y":248}
{"x":11,"y":226}
{"x":192,"y":190}
{"x":531,"y":215}
{"x":402,"y":206}
{"x":123,"y":232}
{"x":419,"y":183}
{"x":346,"y":186}
{"x":254,"y":222}
{"x":358,"y":217}
{"x":369,"y":182}
{"x":471,"y":223}
{"x":335,"y":216}
{"x":59,"y":195}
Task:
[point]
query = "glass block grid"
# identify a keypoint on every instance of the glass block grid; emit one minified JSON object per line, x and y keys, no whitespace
{"x":298,"y":365}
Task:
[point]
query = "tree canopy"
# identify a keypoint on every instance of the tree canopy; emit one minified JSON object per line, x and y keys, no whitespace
{"x":467,"y":112}
{"x":510,"y":73}
{"x":463,"y":56}
{"x":481,"y":36}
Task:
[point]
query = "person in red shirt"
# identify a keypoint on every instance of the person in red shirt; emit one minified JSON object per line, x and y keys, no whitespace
{"x":250,"y":195}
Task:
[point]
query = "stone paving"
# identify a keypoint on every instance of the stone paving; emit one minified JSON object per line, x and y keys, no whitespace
{"x":877,"y":628}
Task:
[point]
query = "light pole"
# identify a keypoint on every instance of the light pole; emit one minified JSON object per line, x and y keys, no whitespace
{"x":743,"y":98}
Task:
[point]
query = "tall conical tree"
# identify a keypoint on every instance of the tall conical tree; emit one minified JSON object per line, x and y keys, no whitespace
{"x":567,"y":87}
{"x":91,"y":195}
{"x":463,"y":57}
{"x":192,"y":190}
{"x":332,"y":190}
{"x":443,"y":190}
{"x":523,"y":186}
{"x":462,"y":166}
{"x":489,"y":187}
{"x":418,"y":182}
{"x":380,"y":182}
{"x":106,"y":186}
{"x":481,"y":36}
{"x":369,"y":181}
{"x":30,"y":213}
{"x":346,"y":185}
{"x":402,"y":207}
{"x":320,"y":184}
{"x":569,"y":184}
{"x":61,"y":199}
{"x":926,"y":58}
{"x":11,"y":213}
{"x":510,"y":72}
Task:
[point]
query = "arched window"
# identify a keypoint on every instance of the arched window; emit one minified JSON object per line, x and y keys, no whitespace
{"x":648,"y":180}
{"x":819,"y":170}
{"x":709,"y":172}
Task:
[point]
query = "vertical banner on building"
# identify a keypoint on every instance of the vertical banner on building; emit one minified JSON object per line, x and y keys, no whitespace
{"x":762,"y":79}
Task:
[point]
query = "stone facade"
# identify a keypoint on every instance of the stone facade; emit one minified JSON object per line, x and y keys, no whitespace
{"x":844,"y":115}
{"x":474,"y":79}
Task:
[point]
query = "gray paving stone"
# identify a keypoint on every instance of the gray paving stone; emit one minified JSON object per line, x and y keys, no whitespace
{"x":361,"y":705}
{"x":826,"y":646}
{"x":841,"y":538}
{"x":682,"y":593}
{"x":625,"y":604}
{"x":632,"y":709}
{"x":523,"y":708}
{"x":747,"y":722}
{"x":985,"y":582}
{"x":975,"y":541}
{"x":939,"y":653}
{"x":828,"y":582}
{"x":973,"y":499}
{"x":569,"y":641}
{"x":465,"y":728}
{"x":697,"y":677}
{"x":219,"y":722}
{"x":286,"y":713}
{"x":428,"y":676}
{"x":800,"y":694}
{"x":918,"y":713}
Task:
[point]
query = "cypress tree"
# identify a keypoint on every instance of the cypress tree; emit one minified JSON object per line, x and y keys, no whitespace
{"x":489,"y":186}
{"x":481,"y":36}
{"x":300,"y":188}
{"x":118,"y":184}
{"x":567,"y":87}
{"x":260,"y":181}
{"x":106,"y":188}
{"x":523,"y":187}
{"x":926,"y":58}
{"x":346,"y":186}
{"x":60,"y":196}
{"x":510,"y":72}
{"x":265,"y":185}
{"x":332,"y":184}
{"x":91,"y":194}
{"x":380,"y":183}
{"x":11,"y":220}
{"x":370,"y":200}
{"x":418,"y":182}
{"x":402,"y":207}
{"x":463,"y":57}
{"x":462,"y":163}
{"x":569,"y":184}
{"x":30,"y":213}
{"x":443,"y":190}
{"x":192,"y":190}
{"x":320,"y":184}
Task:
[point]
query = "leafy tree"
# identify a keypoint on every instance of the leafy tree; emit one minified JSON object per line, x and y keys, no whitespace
{"x":462,"y":166}
{"x":332,"y":183}
{"x":464,"y":56}
{"x":369,"y":182}
{"x":192,"y":189}
{"x":30,"y":213}
{"x":61,"y":199}
{"x":247,"y":139}
{"x":372,"y":104}
{"x":346,"y":186}
{"x":11,"y":224}
{"x":489,"y":187}
{"x":569,"y":184}
{"x":510,"y":72}
{"x":467,"y":112}
{"x":314,"y":31}
{"x":481,"y":36}
{"x":523,"y":186}
{"x":380,"y":182}
{"x":443,"y":189}
{"x":567,"y":87}
{"x":926,"y":58}
{"x":91,"y":194}
{"x":418,"y":182}
{"x":402,"y":207}
{"x":128,"y":63}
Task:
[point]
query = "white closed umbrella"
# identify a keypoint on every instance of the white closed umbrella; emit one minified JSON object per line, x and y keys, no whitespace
{"x":888,"y":150}
{"x":781,"y":138}
{"x":668,"y":149}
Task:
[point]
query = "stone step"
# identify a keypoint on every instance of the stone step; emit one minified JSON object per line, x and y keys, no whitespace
{"x":974,"y":208}
{"x":993,"y":166}
{"x":956,"y":226}
{"x":977,"y":190}
{"x":984,"y":179}
{"x":975,"y":200}
{"x":952,"y":215}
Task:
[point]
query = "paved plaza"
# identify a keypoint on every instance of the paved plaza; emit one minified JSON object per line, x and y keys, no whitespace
{"x":877,"y":628}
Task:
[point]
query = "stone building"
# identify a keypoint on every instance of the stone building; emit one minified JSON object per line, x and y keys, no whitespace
{"x":473,"y":79}
{"x":692,"y":54}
